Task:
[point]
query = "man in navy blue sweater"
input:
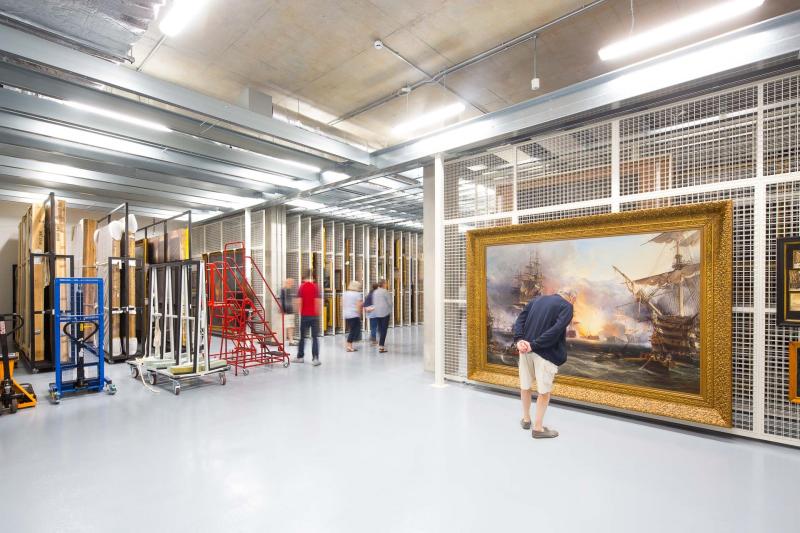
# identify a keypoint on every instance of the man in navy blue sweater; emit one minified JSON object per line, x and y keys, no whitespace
{"x":540,"y":335}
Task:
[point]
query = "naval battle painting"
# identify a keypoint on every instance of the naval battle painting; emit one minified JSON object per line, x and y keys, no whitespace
{"x":636,"y":317}
{"x":651,"y":329}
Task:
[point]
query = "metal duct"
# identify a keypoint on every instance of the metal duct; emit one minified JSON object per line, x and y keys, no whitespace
{"x":108,"y":28}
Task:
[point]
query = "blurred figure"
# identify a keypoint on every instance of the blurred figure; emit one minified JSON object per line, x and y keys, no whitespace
{"x":351,"y":310}
{"x":309,"y":302}
{"x":287,"y":306}
{"x":382,"y":309}
{"x":373,"y":320}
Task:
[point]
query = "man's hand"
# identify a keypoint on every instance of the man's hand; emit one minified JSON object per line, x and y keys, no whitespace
{"x":524,"y":346}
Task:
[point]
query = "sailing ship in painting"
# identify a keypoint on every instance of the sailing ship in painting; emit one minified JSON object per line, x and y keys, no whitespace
{"x":638,"y":330}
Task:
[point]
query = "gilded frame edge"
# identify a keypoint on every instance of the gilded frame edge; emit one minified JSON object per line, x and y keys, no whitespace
{"x":713,"y":406}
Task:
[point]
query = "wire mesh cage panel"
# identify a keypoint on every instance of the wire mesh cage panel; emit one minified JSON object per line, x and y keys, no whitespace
{"x":257,"y":253}
{"x":567,"y":167}
{"x":701,"y":141}
{"x":213,"y":237}
{"x":742,"y":366}
{"x":198,"y":235}
{"x":482,"y":184}
{"x":782,"y":126}
{"x":781,"y":417}
{"x":569,"y":213}
{"x":232,"y":229}
{"x":293,"y":233}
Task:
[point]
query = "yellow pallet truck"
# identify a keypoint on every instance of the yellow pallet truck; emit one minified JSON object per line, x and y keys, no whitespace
{"x":13,"y":395}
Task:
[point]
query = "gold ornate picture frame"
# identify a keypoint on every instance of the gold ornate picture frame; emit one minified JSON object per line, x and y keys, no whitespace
{"x":794,"y":372}
{"x":710,"y":224}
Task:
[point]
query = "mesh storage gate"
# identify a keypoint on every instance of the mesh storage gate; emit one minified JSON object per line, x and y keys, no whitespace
{"x":741,"y":144}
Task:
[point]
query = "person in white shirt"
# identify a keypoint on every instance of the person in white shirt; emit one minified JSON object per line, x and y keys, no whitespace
{"x":351,"y":310}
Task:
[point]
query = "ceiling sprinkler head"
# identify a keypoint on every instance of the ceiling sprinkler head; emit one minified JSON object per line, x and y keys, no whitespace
{"x":405,"y":90}
{"x":378,"y":44}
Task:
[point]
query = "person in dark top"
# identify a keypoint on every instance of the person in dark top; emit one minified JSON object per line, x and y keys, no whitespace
{"x":540,"y":336}
{"x":373,"y":320}
{"x":287,"y":306}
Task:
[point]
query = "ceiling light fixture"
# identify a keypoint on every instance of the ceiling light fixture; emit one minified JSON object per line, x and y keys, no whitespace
{"x":388,"y":183}
{"x":332,"y":175}
{"x":677,"y":28}
{"x":430,"y":119}
{"x":477,"y":168}
{"x":305,"y":204}
{"x":116,"y":116}
{"x":181,"y":14}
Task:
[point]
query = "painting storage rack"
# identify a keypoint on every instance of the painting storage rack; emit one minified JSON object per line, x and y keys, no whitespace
{"x":122,"y":299}
{"x":85,"y":346}
{"x":41,"y":258}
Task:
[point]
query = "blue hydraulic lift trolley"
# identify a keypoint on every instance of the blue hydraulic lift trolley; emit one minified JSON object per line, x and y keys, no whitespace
{"x":85,"y":332}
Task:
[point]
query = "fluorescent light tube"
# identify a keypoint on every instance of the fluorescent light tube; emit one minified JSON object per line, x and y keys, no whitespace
{"x":332,"y":176}
{"x":305,"y":204}
{"x":116,"y":116}
{"x":181,"y":14}
{"x":477,"y":168}
{"x":678,"y":28}
{"x":430,"y":119}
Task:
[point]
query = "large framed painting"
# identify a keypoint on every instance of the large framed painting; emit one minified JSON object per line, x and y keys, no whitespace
{"x":651,"y":330}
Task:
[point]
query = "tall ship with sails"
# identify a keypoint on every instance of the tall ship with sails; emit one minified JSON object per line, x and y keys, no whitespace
{"x":672,"y":302}
{"x":528,"y":283}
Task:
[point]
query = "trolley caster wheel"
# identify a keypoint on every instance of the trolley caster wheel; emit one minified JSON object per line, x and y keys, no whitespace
{"x":112,"y":389}
{"x":223,"y":379}
{"x":55,"y":397}
{"x":14,"y":406}
{"x":245,"y":372}
{"x":134,"y":371}
{"x":286,"y":364}
{"x":177,"y":390}
{"x":151,"y":378}
{"x":35,"y":370}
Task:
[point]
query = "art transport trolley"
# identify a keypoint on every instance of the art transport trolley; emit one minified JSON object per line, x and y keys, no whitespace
{"x":238,"y":314}
{"x":13,"y":395}
{"x":78,"y":316}
{"x":177,"y":334}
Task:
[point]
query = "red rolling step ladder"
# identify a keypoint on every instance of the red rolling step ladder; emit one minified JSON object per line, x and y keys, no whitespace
{"x":238,"y":316}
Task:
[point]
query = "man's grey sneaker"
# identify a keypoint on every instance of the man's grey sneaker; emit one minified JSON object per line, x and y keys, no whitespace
{"x":298,"y":360}
{"x":315,"y":362}
{"x":546,"y":433}
{"x":526,"y":424}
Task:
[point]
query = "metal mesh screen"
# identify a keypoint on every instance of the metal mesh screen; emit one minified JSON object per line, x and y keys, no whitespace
{"x":198,"y":236}
{"x":563,"y":168}
{"x":699,"y":150}
{"x":781,"y":127}
{"x":232,"y":229}
{"x":213,"y":237}
{"x":701,"y":141}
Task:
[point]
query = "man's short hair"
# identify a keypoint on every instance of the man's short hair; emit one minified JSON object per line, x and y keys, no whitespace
{"x":568,"y":293}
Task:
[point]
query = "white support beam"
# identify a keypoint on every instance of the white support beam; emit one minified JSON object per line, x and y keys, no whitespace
{"x":438,"y":272}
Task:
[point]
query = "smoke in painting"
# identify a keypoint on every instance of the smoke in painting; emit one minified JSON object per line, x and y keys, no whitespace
{"x":637,"y":313}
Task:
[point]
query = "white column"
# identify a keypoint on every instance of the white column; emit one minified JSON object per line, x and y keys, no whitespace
{"x":247,"y":240}
{"x":438,"y":263}
{"x":759,"y":274}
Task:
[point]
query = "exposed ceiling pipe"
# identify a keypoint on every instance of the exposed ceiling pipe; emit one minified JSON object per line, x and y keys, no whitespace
{"x":466,"y":63}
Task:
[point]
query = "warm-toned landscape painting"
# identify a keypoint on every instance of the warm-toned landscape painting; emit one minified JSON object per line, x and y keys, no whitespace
{"x":637,"y":314}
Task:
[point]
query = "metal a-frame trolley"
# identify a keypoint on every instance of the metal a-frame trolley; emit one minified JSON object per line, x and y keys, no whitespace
{"x":130,"y":305}
{"x":177,"y":335}
{"x":84,"y":329}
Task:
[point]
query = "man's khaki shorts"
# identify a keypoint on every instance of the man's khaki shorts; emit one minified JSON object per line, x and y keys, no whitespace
{"x":533,"y":366}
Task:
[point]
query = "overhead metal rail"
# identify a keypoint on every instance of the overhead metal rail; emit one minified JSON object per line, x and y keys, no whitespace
{"x":752,"y":48}
{"x":37,"y":50}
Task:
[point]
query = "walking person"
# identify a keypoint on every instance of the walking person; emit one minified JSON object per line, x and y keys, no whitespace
{"x":373,"y":320}
{"x":382,"y":309}
{"x":287,"y":307}
{"x":310,"y":304}
{"x":351,"y":310}
{"x":540,"y":334}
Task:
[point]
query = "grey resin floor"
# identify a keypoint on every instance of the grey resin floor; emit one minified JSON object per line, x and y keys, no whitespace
{"x":364,"y":443}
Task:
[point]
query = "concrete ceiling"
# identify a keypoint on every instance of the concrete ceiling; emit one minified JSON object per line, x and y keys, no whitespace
{"x":316,"y":57}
